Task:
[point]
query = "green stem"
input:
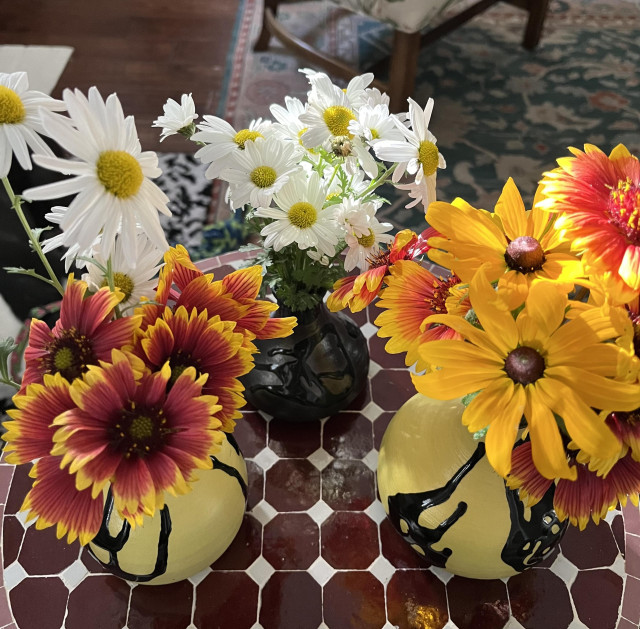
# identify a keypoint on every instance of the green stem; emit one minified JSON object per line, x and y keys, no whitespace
{"x":378,"y":182}
{"x":17,"y":206}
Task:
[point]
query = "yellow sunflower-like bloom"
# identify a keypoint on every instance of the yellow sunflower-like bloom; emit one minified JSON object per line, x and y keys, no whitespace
{"x":520,"y":247}
{"x":535,"y":365}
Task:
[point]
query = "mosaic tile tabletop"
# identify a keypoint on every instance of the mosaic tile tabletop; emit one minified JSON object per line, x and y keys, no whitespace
{"x":315,"y":549}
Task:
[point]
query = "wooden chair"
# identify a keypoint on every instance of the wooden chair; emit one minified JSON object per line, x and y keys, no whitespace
{"x":408,"y":18}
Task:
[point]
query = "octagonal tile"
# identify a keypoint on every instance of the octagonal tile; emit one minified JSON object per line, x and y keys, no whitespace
{"x":43,"y":553}
{"x":390,"y":388}
{"x":591,"y":548}
{"x":361,"y":318}
{"x":226,"y":599}
{"x":396,"y":549}
{"x":168,"y":605}
{"x":631,"y":605}
{"x":357,"y":601}
{"x":294,"y":439}
{"x":103,"y":598}
{"x":347,"y":436}
{"x":380,"y":426}
{"x":291,"y":541}
{"x":362,"y":399}
{"x":348,"y":485}
{"x":478,"y":604}
{"x":417,"y":598}
{"x":349,"y":540}
{"x":12,"y":535}
{"x":291,"y":600}
{"x":39,"y":602}
{"x":20,"y":485}
{"x":251,"y":433}
{"x":617,"y":528}
{"x":378,"y":353}
{"x":597,"y":595}
{"x":255,"y":488}
{"x":292,"y":485}
{"x":244,"y":549}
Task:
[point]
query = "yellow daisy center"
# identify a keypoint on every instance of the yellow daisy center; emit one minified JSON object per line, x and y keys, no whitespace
{"x":624,"y":209}
{"x":302,"y":215}
{"x":367,"y":241}
{"x":428,"y":157}
{"x":123,"y":282}
{"x":246,"y":136}
{"x":524,"y":365}
{"x":141,"y":427}
{"x":263,"y":176}
{"x":525,"y":255}
{"x":337,"y":119}
{"x":63,"y":359}
{"x":12,"y":109}
{"x":120,"y":173}
{"x":374,"y":134}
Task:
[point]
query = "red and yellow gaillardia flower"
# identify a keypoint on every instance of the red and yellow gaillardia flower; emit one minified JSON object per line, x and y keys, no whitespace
{"x":537,"y":365}
{"x":598,"y":197}
{"x":137,"y":431}
{"x":518,"y":247}
{"x":85,"y":333}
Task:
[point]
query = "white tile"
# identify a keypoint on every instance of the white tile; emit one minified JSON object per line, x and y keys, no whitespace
{"x":323,"y":625}
{"x":260,"y":571}
{"x":618,"y":566}
{"x":577,"y":624}
{"x":512,"y":623}
{"x":320,"y":512}
{"x":257,"y":626}
{"x":376,"y":512}
{"x":371,"y":460}
{"x":265,"y":458}
{"x":263,"y":512}
{"x":320,"y":458}
{"x":564,"y":569}
{"x":382,"y":570}
{"x":372,"y":411}
{"x":13,"y":575}
{"x":369,"y":330}
{"x":321,"y":571}
{"x":200,"y":576}
{"x":611,"y":514}
{"x":388,"y":625}
{"x":374,"y":368}
{"x":444,"y":575}
{"x":22,"y":518}
{"x":74,"y":574}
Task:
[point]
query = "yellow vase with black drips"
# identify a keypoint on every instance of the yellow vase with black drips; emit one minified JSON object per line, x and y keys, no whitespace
{"x":446,"y":500}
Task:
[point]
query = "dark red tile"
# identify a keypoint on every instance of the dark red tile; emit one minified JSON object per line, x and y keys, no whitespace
{"x":294,"y":439}
{"x":349,"y":540}
{"x":380,"y":355}
{"x":597,"y":595}
{"x":632,"y":559}
{"x":20,"y":485}
{"x":476,"y":604}
{"x":348,"y":485}
{"x":631,"y":519}
{"x":292,"y":485}
{"x":226,"y":599}
{"x":363,"y":398}
{"x":396,"y":549}
{"x":355,"y":599}
{"x":617,"y":528}
{"x":221,"y":271}
{"x":255,"y":489}
{"x":291,"y":541}
{"x":92,"y":564}
{"x":103,"y":598}
{"x":631,"y":602}
{"x":49,"y":593}
{"x":6,"y":474}
{"x":627,"y":624}
{"x":540,"y":599}
{"x":5,"y":613}
{"x":347,"y":436}
{"x":168,"y":605}
{"x":380,"y":426}
{"x":12,"y":534}
{"x":291,"y":600}
{"x":391,"y":388}
{"x":359,"y":317}
{"x":592,"y":548}
{"x":43,"y":553}
{"x":549,"y":558}
{"x":251,"y":433}
{"x":244,"y":549}
{"x":417,"y":598}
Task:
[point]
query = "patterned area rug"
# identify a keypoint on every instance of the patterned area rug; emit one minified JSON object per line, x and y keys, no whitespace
{"x":500,"y":110}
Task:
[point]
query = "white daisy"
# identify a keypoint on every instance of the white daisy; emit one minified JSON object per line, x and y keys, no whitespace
{"x":222,"y":140}
{"x":176,"y":116}
{"x":375,"y":123}
{"x":20,"y":120}
{"x":112,"y":186}
{"x":418,"y":155}
{"x":367,"y":246}
{"x":423,"y":192}
{"x":259,"y":171}
{"x":355,"y":216}
{"x":375,"y":97}
{"x":300,"y":218}
{"x":289,"y":127}
{"x":135,"y":280}
{"x":72,"y":252}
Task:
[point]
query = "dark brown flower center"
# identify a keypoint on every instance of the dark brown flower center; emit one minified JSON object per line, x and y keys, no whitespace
{"x":624,"y":209}
{"x":525,"y":255}
{"x":379,"y":259}
{"x":524,"y":365}
{"x":139,"y":431}
{"x":69,"y":354}
{"x":179,"y":361}
{"x":441,"y":286}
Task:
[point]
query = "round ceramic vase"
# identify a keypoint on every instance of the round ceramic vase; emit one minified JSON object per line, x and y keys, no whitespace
{"x":187,"y":535}
{"x":449,"y":504}
{"x":315,"y":372}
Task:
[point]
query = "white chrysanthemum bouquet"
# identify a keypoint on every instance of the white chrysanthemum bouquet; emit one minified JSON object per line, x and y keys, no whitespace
{"x":308,"y":182}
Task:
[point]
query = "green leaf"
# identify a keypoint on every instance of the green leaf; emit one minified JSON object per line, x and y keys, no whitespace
{"x":467,"y":399}
{"x":480,"y":434}
{"x":7,"y":347}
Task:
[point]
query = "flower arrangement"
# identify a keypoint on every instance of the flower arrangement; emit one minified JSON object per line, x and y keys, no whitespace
{"x":535,"y":327}
{"x":136,"y":384}
{"x":308,"y":182}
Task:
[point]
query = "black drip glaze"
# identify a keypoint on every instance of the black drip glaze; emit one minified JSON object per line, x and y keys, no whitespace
{"x":233,"y":443}
{"x":231,"y":471}
{"x":113,"y":545}
{"x":408,"y":507}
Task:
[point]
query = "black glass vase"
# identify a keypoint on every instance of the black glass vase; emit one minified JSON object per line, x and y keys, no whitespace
{"x":315,"y":372}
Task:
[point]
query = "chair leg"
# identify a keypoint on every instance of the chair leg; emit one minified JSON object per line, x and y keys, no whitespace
{"x":537,"y":13}
{"x":402,"y":71}
{"x":262,"y":43}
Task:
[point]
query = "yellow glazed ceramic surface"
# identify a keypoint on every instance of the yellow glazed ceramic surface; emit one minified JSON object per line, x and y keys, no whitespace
{"x":444,"y":497}
{"x":201,"y":525}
